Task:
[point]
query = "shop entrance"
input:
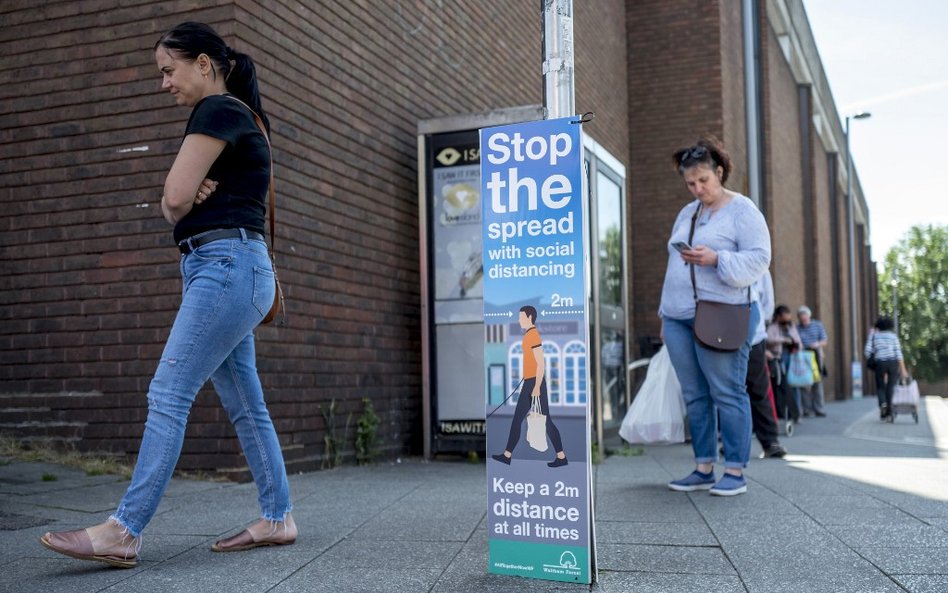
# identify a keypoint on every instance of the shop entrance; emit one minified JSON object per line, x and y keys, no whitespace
{"x":455,"y":384}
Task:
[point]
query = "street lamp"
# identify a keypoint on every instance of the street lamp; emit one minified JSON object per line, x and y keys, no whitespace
{"x":856,"y":369}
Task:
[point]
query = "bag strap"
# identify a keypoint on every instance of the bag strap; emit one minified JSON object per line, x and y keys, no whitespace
{"x":272,"y":207}
{"x":691,"y":236}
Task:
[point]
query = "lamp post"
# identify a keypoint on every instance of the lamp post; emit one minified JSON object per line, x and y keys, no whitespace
{"x":559,"y":88}
{"x":856,"y":369}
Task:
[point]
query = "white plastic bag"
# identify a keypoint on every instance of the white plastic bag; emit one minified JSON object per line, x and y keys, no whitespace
{"x":536,"y":426}
{"x":656,"y":416}
{"x":905,"y":394}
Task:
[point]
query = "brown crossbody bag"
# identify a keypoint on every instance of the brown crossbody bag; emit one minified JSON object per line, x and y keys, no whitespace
{"x":278,"y":306}
{"x":718,"y":326}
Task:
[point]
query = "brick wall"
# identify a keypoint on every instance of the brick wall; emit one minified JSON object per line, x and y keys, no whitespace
{"x":824,"y":306}
{"x":89,"y":273}
{"x":90,"y":279}
{"x":674,"y":97}
{"x":88,"y":270}
{"x":732,"y":94}
{"x":784,"y":176}
{"x":842,"y":269}
{"x":602,"y":74}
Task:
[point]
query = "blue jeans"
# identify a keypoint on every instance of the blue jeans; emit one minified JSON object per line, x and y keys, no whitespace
{"x":228,"y":287}
{"x":713,"y":385}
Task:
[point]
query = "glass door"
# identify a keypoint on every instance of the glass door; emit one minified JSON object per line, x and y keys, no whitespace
{"x":609,"y":251}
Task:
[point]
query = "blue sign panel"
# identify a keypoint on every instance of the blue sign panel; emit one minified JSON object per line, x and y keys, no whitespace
{"x":534,"y":251}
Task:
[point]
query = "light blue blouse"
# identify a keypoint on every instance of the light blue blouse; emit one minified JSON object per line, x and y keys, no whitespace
{"x":739,"y":235}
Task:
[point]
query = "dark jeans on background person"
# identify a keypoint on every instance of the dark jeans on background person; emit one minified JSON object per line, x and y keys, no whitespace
{"x":758,"y":383}
{"x":787,"y":407}
{"x":523,"y":408}
{"x":812,"y":396}
{"x":887,"y":377}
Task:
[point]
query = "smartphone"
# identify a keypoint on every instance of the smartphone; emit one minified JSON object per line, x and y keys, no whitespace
{"x":681,"y":246}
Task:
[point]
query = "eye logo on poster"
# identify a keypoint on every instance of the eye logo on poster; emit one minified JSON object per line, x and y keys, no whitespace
{"x":448,"y":156}
{"x":534,"y":290}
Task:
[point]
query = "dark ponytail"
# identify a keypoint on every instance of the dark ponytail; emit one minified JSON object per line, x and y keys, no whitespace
{"x":190,"y":40}
{"x":241,"y":81}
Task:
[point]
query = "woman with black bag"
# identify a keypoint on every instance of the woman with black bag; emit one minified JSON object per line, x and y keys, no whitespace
{"x":719,"y":246}
{"x":228,"y":288}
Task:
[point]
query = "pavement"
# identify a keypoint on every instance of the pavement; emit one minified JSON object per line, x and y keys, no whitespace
{"x":858,"y":506}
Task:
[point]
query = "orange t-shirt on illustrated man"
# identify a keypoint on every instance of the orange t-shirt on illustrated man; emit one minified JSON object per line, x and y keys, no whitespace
{"x":531,"y":340}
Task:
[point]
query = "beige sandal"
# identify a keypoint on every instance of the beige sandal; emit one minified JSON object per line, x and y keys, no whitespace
{"x":77,"y":544}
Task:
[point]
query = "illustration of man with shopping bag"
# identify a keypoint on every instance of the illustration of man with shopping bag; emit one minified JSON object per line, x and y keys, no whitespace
{"x":536,"y":408}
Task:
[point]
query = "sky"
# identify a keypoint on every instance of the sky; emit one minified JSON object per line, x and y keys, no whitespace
{"x":891,"y":59}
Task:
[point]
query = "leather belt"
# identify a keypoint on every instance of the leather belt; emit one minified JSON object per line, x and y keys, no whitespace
{"x":192,"y":243}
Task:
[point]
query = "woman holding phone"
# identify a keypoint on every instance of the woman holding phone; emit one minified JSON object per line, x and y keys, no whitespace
{"x":724,"y":238}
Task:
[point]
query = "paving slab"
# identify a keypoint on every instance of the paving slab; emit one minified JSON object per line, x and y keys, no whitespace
{"x":674,"y":534}
{"x":894,"y":560}
{"x":922,"y":583}
{"x":626,"y":582}
{"x":672,"y":559}
{"x":823,"y":520}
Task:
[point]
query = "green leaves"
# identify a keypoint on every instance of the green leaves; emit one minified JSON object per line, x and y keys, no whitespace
{"x":914,"y":283}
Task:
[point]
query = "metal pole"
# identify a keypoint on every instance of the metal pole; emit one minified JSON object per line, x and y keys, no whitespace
{"x":851,"y":224}
{"x":751,"y":100}
{"x":559,"y":94}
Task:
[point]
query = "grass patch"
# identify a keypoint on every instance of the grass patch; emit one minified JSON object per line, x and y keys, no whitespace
{"x":596,"y":454}
{"x":93,"y":464}
{"x":626,"y":450}
{"x":49,"y":477}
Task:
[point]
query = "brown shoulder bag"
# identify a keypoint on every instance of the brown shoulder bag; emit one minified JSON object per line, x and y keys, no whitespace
{"x":278,"y":306}
{"x":718,"y":326}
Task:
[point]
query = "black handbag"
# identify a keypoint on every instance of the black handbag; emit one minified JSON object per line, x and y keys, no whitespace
{"x":718,"y":326}
{"x":871,"y":362}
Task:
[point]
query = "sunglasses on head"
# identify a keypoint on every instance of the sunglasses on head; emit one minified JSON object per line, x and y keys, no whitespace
{"x":695,"y":153}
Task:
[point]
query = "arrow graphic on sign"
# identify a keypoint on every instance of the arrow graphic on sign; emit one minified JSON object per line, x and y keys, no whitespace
{"x":564,"y":312}
{"x":507,"y":314}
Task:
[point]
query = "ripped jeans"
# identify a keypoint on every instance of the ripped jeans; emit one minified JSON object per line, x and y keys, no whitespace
{"x":228,"y":287}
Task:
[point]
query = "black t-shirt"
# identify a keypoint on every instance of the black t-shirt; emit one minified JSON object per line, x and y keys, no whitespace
{"x":242,"y":171}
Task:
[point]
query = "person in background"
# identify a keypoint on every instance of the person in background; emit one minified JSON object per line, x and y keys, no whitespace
{"x":814,"y":338}
{"x":884,"y":345}
{"x":758,"y":375}
{"x":228,"y":287}
{"x":728,"y":252}
{"x":783,"y":340}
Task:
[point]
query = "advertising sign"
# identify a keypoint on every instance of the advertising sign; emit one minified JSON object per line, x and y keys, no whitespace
{"x":534,"y":291}
{"x":456,"y":200}
{"x":856,"y":368}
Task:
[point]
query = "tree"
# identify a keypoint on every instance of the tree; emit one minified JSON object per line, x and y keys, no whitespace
{"x":916,"y":270}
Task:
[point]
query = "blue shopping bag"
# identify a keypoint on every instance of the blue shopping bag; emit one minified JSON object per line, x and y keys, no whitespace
{"x":800,"y":369}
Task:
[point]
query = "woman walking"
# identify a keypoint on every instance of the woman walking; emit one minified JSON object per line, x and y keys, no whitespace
{"x":228,"y":287}
{"x":719,"y":247}
{"x":883,"y":345}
